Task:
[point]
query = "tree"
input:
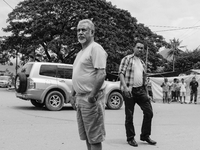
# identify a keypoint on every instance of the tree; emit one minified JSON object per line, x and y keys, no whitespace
{"x":51,"y":26}
{"x":188,"y":60}
{"x":175,"y":51}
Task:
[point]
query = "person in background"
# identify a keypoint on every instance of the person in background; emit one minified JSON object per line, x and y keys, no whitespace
{"x":149,"y":89}
{"x":165,"y":87}
{"x":170,"y":93}
{"x":193,"y":90}
{"x":182,"y":91}
{"x":31,"y":58}
{"x":133,"y":85}
{"x":177,"y":90}
{"x":89,"y":87}
{"x":173,"y":93}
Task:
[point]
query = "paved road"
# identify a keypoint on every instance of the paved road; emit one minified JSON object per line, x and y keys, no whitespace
{"x":24,"y":127}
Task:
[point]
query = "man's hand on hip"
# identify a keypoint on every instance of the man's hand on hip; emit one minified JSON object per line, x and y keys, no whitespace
{"x":92,"y":99}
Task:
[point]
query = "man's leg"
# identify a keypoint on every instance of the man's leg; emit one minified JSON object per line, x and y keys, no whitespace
{"x":129,"y":110}
{"x":184,"y":99}
{"x":181,"y":98}
{"x":191,"y":97}
{"x":146,"y":107}
{"x":195,"y":97}
{"x":88,"y":145}
{"x":97,"y":146}
{"x":164,"y":97}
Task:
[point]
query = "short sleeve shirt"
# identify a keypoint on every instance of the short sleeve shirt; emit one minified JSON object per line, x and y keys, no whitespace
{"x":84,"y":68}
{"x":127,"y":69}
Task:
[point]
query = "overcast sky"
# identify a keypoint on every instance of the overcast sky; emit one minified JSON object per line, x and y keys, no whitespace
{"x":159,"y":15}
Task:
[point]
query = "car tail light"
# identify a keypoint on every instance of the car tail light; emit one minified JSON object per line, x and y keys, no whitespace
{"x":31,"y":84}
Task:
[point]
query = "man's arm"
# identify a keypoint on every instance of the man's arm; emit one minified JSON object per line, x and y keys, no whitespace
{"x":100,"y":77}
{"x":122,"y":80}
{"x":127,"y":91}
{"x":73,"y":93}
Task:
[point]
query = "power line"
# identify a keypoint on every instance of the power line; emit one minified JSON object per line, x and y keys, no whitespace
{"x":8,"y":4}
{"x":163,"y":26}
{"x":183,"y":28}
{"x":189,"y":33}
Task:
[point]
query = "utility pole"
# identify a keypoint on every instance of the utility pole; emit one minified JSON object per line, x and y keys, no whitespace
{"x":16,"y":67}
{"x":147,"y":53}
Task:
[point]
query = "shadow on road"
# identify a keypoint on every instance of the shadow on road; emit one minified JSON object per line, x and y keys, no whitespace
{"x":30,"y":108}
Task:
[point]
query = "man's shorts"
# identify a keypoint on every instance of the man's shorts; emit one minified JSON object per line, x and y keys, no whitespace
{"x":90,"y":118}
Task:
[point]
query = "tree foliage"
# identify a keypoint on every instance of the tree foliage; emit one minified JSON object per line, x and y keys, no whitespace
{"x":188,"y":60}
{"x":175,"y":51}
{"x":50,"y":25}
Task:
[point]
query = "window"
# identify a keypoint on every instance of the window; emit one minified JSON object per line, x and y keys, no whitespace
{"x":64,"y":72}
{"x":48,"y":70}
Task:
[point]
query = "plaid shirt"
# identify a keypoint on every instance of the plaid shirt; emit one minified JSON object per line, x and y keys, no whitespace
{"x":127,"y":69}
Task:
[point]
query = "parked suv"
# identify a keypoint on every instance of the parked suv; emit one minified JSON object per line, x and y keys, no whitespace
{"x":49,"y":85}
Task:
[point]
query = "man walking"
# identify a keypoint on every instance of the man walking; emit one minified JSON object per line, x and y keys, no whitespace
{"x":88,"y":86}
{"x":193,"y":90}
{"x":133,"y":77}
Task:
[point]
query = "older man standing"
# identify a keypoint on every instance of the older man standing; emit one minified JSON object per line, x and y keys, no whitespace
{"x":88,"y":86}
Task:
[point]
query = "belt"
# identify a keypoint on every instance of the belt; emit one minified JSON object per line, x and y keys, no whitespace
{"x":87,"y":93}
{"x":137,"y":88}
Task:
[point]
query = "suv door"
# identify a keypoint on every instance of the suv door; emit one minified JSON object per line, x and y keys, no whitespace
{"x":64,"y":77}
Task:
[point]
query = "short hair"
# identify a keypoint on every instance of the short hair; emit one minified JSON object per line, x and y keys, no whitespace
{"x":91,"y":24}
{"x":138,"y":41}
{"x":31,"y":56}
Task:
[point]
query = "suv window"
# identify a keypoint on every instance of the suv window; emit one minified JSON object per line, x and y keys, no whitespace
{"x":65,"y":73}
{"x":48,"y":70}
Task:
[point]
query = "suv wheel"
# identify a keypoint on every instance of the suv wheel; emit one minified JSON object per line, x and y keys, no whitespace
{"x":20,"y":82}
{"x":115,"y":101}
{"x":54,"y":101}
{"x":37,"y":104}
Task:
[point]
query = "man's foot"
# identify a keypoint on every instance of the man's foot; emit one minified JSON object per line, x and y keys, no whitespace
{"x":149,"y":140}
{"x":133,"y":143}
{"x":195,"y":102}
{"x":190,"y":102}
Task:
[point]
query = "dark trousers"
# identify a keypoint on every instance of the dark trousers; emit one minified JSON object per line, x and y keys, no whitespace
{"x":173,"y":94}
{"x":139,"y":97}
{"x":193,"y":94}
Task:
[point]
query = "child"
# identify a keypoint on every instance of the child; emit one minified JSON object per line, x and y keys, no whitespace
{"x":165,"y":86}
{"x":182,"y":91}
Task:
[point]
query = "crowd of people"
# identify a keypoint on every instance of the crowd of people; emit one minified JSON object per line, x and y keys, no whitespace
{"x":176,"y":91}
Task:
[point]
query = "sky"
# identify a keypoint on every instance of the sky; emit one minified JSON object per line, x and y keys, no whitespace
{"x":163,"y":17}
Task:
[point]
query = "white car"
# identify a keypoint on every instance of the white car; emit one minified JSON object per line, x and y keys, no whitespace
{"x":49,"y":85}
{"x":4,"y":81}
